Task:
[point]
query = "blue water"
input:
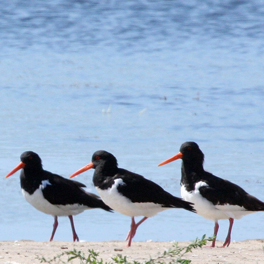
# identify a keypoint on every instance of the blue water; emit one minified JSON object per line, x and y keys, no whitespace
{"x":136,"y":78}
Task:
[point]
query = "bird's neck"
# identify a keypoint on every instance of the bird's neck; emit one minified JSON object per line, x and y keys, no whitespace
{"x":103,"y":174}
{"x":32,"y":172}
{"x":30,"y":179}
{"x":191,"y":174}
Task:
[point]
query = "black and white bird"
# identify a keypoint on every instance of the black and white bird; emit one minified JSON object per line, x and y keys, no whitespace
{"x":129,"y":193}
{"x":213,"y":197}
{"x":53,"y":194}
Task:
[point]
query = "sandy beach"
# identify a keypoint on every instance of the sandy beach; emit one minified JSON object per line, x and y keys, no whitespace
{"x":30,"y":252}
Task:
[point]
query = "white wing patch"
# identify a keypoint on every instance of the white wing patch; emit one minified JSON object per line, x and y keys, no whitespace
{"x":44,"y":184}
{"x":119,"y":182}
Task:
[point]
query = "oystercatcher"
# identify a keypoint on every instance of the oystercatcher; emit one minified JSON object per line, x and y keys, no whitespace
{"x":129,"y":193}
{"x":53,"y":194}
{"x":213,"y":197}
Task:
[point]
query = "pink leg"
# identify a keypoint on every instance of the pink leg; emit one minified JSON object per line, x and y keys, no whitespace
{"x":228,"y":238}
{"x":55,"y":225}
{"x":133,"y":229}
{"x":216,"y":227}
{"x":75,"y":237}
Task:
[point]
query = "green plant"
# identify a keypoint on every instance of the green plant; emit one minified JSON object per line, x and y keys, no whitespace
{"x":177,"y":253}
{"x":92,"y":257}
{"x":171,"y":256}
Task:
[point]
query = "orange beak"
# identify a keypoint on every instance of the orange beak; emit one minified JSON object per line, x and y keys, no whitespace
{"x":177,"y":156}
{"x":21,"y":165}
{"x":83,"y":169}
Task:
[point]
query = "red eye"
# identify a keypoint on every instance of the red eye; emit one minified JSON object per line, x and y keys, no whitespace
{"x":97,"y":157}
{"x":30,"y":157}
{"x":189,"y":148}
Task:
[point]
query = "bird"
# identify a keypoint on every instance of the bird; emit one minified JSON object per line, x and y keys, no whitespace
{"x":129,"y":193}
{"x":53,"y":194}
{"x":214,"y":198}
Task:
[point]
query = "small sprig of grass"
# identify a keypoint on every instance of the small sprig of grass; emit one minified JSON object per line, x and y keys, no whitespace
{"x":119,"y":259}
{"x":178,"y":252}
{"x":92,"y":258}
{"x":171,"y":256}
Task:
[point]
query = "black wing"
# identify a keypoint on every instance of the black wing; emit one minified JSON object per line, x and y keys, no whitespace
{"x":63,"y":191}
{"x":141,"y":190}
{"x":221,"y":192}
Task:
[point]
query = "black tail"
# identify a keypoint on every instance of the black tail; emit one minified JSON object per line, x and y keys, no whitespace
{"x":251,"y":203}
{"x":175,"y":202}
{"x":186,"y":205}
{"x":105,"y":207}
{"x":94,"y":201}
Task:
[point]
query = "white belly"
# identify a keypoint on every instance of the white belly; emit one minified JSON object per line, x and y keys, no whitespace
{"x":40,"y":203}
{"x":207,"y":209}
{"x":123,"y":205}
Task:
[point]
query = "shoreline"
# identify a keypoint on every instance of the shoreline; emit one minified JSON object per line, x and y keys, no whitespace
{"x":30,"y":252}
